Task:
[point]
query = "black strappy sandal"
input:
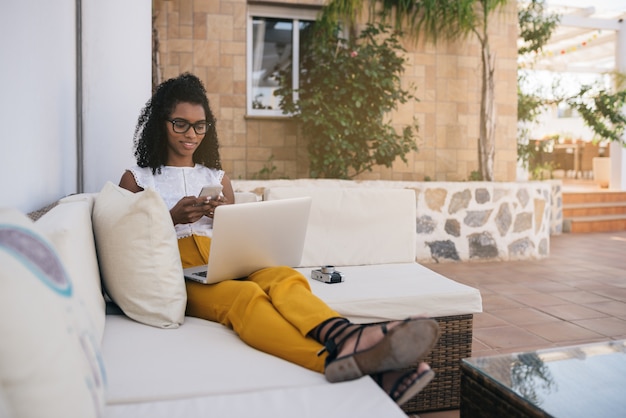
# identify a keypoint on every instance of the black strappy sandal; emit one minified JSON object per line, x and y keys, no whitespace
{"x":401,"y":346}
{"x":413,"y":382}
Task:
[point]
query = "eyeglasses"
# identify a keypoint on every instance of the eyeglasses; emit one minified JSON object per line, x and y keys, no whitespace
{"x":180,"y":126}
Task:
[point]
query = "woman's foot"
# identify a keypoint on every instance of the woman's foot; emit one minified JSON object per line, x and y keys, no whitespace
{"x":355,"y":350}
{"x":401,"y":386}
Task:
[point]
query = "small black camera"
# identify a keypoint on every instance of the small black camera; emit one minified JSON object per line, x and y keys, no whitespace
{"x":327,"y":274}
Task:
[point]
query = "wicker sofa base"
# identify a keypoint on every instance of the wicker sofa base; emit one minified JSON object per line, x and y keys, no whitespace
{"x":455,"y":343}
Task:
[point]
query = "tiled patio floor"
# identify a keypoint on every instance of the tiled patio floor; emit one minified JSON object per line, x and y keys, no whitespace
{"x":577,"y":295}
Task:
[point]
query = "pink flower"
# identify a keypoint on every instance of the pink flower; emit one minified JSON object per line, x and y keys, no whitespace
{"x":353,"y":54}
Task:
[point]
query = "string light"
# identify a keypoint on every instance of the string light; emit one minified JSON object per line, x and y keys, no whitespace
{"x":563,"y":51}
{"x":572,"y":48}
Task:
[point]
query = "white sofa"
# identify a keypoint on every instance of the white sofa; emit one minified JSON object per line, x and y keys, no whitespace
{"x":187,"y":367}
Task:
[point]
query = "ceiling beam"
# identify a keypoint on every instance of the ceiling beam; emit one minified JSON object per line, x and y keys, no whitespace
{"x":590,"y":22}
{"x":594,"y":57}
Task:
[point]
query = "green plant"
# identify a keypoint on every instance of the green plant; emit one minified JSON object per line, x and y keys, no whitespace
{"x":535,"y":28}
{"x":535,"y":156}
{"x":347,"y":88}
{"x":451,"y":20}
{"x":475,"y":176}
{"x":602,"y":111}
{"x":266,"y":172}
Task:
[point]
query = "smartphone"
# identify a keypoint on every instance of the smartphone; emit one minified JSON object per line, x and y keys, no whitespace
{"x":211,"y":191}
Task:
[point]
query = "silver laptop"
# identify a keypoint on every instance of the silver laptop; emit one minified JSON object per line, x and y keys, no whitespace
{"x":250,"y":236}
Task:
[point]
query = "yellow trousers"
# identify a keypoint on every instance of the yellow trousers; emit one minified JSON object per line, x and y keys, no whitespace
{"x":272,"y":310}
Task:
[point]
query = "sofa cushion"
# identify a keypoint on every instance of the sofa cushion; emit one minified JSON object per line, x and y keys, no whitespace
{"x":138,"y":256}
{"x":202,"y":369}
{"x":395,"y":291}
{"x":356,"y":226}
{"x":90,"y":198}
{"x":245,"y":197}
{"x":68,"y":227}
{"x":50,"y":363}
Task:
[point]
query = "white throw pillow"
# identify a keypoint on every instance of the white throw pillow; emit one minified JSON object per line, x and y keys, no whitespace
{"x":50,"y":362}
{"x":138,"y":256}
{"x":68,"y":226}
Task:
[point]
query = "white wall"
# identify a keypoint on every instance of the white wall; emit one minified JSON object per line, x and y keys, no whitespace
{"x":38,"y":158}
{"x":548,"y":124}
{"x":618,"y":153}
{"x":37,"y":102}
{"x":117,"y":45}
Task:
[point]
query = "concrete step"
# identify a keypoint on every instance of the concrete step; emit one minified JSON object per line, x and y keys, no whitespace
{"x":593,"y":209}
{"x":606,"y":223}
{"x":591,"y":197}
{"x":598,"y":211}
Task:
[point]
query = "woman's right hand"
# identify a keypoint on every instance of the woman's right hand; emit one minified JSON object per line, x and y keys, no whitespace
{"x":189,"y":209}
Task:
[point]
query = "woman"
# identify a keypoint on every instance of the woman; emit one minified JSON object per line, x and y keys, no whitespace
{"x":273,"y":310}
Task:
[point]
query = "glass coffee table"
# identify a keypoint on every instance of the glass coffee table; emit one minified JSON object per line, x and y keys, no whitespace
{"x":580,"y":381}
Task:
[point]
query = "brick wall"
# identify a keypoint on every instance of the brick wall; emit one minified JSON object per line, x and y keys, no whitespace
{"x":207,"y":37}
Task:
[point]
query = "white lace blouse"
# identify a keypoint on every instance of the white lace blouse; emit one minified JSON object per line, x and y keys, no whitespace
{"x":174,"y":183}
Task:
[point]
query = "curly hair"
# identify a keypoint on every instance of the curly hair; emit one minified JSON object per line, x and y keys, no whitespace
{"x":150,"y":139}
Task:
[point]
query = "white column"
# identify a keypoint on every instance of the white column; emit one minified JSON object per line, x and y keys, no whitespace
{"x":117,"y":82}
{"x":618,"y":152}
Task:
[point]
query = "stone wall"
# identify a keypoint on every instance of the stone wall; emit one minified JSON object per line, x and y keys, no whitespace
{"x":467,"y":221}
{"x":556,"y":200}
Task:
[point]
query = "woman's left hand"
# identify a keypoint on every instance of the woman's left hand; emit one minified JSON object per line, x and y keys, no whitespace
{"x":213,"y":203}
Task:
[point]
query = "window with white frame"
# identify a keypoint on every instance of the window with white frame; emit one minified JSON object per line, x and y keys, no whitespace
{"x":273,"y":45}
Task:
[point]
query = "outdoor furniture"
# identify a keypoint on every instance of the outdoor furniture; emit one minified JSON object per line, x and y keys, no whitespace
{"x":455,"y":343}
{"x":589,"y":152}
{"x":567,"y":157}
{"x":578,"y":381}
{"x":194,"y":369}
